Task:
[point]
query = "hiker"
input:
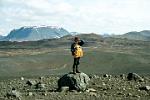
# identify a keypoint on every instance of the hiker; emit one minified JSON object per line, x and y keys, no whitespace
{"x":77,"y":53}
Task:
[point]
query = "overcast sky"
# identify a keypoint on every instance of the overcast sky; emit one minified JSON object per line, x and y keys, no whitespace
{"x":99,"y":16}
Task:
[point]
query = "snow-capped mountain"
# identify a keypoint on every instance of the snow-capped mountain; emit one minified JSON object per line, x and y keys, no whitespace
{"x":74,"y":33}
{"x":33,"y":33}
{"x":1,"y":37}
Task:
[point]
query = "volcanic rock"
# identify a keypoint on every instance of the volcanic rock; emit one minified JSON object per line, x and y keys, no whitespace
{"x":78,"y":81}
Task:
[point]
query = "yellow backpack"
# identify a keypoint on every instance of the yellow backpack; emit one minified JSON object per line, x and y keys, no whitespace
{"x":78,"y":51}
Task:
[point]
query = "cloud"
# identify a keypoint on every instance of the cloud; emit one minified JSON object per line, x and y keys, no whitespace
{"x":101,"y":16}
{"x":1,"y":31}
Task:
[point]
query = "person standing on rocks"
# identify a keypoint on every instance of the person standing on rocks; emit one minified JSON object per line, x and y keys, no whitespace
{"x":77,"y":53}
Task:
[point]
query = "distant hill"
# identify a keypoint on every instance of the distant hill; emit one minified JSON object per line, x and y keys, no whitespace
{"x":65,"y":41}
{"x":35,"y":33}
{"x":143,"y":35}
{"x":90,"y":36}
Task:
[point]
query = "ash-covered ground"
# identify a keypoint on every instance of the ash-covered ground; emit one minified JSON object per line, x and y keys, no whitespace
{"x":101,"y":87}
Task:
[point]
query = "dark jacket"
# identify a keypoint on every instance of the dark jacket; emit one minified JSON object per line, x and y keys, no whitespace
{"x":73,"y":45}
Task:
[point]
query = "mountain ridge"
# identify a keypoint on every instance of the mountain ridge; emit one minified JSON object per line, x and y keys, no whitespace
{"x":34,"y":33}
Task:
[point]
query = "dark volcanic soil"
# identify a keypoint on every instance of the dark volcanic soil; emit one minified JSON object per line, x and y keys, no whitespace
{"x":107,"y":88}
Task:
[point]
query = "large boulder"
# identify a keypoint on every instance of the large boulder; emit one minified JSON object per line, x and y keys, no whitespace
{"x":78,"y":81}
{"x":134,"y":76}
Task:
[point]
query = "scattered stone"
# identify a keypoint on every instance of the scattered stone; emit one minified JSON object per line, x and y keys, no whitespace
{"x":78,"y":81}
{"x":109,"y":88}
{"x":129,"y":88}
{"x":105,"y":88}
{"x":90,"y":90}
{"x":120,"y":93}
{"x":115,"y":76}
{"x":129,"y":94}
{"x":45,"y":94}
{"x":31,"y":82}
{"x":22,"y":78}
{"x":134,"y":76}
{"x":90,"y":76}
{"x":110,"y":76}
{"x":93,"y":94}
{"x":146,"y":88}
{"x":93,"y":83}
{"x":40,"y":86}
{"x":41,"y":78}
{"x":95,"y":76}
{"x":123,"y":76}
{"x":30,"y":93}
{"x":14,"y":93}
{"x":137,"y":96}
{"x":105,"y":75}
{"x":124,"y":89}
{"x":103,"y":84}
{"x":139,"y":90}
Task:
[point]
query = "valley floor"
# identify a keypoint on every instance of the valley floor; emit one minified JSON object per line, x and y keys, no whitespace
{"x":58,"y":61}
{"x":112,"y":57}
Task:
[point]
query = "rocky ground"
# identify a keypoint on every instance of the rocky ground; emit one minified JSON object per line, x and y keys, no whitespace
{"x":101,"y":87}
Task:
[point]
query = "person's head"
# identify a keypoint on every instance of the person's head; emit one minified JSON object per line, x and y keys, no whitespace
{"x":76,"y":39}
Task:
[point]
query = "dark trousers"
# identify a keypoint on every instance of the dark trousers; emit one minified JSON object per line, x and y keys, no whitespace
{"x":76,"y":63}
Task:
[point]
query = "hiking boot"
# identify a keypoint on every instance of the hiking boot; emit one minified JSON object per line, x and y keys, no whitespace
{"x":74,"y":72}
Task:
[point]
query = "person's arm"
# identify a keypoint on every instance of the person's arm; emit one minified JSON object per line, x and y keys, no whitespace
{"x":72,"y":49}
{"x":81,"y":42}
